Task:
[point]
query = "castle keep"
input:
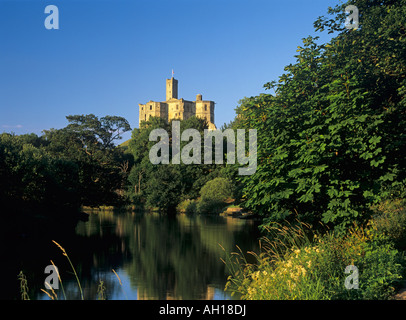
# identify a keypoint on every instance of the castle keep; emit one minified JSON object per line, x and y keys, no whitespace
{"x":174,"y":108}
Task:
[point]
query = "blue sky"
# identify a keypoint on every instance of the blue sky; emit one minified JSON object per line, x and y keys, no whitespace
{"x":110,"y":55}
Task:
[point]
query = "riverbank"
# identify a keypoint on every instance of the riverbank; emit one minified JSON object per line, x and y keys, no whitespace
{"x":298,"y":262}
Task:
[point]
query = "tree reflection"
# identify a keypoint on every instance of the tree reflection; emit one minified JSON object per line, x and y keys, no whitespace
{"x":180,"y":258}
{"x":157,"y":257}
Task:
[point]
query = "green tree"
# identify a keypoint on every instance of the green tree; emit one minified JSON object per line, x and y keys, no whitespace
{"x":142,"y":168}
{"x":89,"y":142}
{"x":331,"y":140}
{"x":165,"y":186}
{"x":32,"y":179}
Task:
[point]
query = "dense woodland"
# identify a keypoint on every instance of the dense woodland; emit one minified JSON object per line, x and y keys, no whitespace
{"x":58,"y":172}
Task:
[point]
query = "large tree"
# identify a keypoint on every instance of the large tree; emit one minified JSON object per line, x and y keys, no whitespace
{"x":89,"y":142}
{"x":331,"y":140}
{"x":163,"y":186}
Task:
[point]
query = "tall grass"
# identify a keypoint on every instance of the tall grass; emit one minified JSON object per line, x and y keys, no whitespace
{"x":296,"y":263}
{"x":59,"y":278}
{"x":23,"y":286}
{"x":121,"y":284}
{"x":101,"y":291}
{"x":73,"y":268}
{"x":52,"y":294}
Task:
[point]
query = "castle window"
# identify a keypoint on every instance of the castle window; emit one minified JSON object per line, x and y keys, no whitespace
{"x":150,"y":107}
{"x":205,"y":107}
{"x":177,"y":107}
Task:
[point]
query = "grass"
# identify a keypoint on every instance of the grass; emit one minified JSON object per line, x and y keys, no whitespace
{"x":121,"y":284}
{"x":23,"y":286}
{"x":73,"y":268}
{"x":295,"y":262}
{"x":49,"y":290}
{"x":101,"y":291}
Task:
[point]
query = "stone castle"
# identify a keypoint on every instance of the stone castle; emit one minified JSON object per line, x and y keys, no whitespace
{"x":174,"y":108}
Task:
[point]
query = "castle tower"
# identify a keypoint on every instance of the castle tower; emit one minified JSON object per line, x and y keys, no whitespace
{"x":171,"y":89}
{"x":174,"y":108}
{"x":204,"y":109}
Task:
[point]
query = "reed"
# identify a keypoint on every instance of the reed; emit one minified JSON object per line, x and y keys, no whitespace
{"x":60,"y":280}
{"x":47,"y":293}
{"x":101,"y":291}
{"x":73,"y":268}
{"x":121,"y":284}
{"x":23,"y":286}
{"x":54,"y":296}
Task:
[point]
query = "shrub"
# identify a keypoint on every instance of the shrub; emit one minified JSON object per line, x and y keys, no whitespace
{"x":188,"y":206}
{"x":210,"y":206}
{"x":304,"y":268}
{"x":217,"y":190}
{"x":390,"y":220}
{"x":214,"y":194}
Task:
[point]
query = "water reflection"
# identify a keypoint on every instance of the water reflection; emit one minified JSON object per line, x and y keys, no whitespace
{"x":165,"y":258}
{"x":155,"y":257}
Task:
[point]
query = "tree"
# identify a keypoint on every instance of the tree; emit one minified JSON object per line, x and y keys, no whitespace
{"x":331,"y":140}
{"x":89,"y":142}
{"x":165,"y":186}
{"x":32,"y":179}
{"x":139,"y":147}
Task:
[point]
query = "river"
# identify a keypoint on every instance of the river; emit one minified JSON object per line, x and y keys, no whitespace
{"x":153,"y":257}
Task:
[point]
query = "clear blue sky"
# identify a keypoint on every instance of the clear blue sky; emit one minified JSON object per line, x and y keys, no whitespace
{"x":110,"y":55}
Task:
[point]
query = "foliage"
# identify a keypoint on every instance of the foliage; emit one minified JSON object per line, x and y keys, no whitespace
{"x":213,"y":198}
{"x":97,"y":134}
{"x":214,"y":194}
{"x":165,"y":186}
{"x":218,"y":189}
{"x":140,"y":176}
{"x":188,"y":206}
{"x":305,"y":268}
{"x":32,"y":178}
{"x":331,"y":140}
{"x":89,"y":143}
{"x":390,"y":220}
{"x":23,"y":286}
{"x":65,"y":168}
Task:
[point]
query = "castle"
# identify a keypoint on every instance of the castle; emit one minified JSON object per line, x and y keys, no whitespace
{"x":174,"y":108}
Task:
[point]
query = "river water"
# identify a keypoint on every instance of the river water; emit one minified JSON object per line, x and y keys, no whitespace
{"x":153,"y":257}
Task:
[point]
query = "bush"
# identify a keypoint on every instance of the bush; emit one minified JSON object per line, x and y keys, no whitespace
{"x":210,"y":206}
{"x":214,"y":194}
{"x":304,"y":268}
{"x":188,"y":206}
{"x":390,"y":220}
{"x":217,"y":190}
